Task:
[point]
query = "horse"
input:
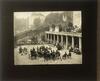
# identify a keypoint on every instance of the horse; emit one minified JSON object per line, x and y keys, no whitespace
{"x":64,"y":56}
{"x":77,"y":51}
{"x":69,"y":55}
{"x":53,"y":55}
{"x":33,"y":54}
{"x":71,"y":50}
{"x":59,"y":47}
{"x":57,"y":54}
{"x":25,"y":50}
{"x":45,"y":56}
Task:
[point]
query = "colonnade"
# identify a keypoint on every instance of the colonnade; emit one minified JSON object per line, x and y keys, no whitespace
{"x":59,"y":38}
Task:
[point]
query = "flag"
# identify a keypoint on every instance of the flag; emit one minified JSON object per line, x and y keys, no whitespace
{"x":64,"y":18}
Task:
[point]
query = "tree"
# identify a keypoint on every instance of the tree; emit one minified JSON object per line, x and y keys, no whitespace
{"x":70,"y":24}
{"x":53,"y":18}
{"x":37,"y":22}
{"x":79,"y":30}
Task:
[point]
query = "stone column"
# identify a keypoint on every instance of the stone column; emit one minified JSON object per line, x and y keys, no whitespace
{"x":54,"y":38}
{"x":72,"y":42}
{"x":66,"y":41}
{"x":57,"y":38}
{"x":80,"y":44}
{"x":50,"y":38}
{"x":61,"y":39}
{"x":46,"y":37}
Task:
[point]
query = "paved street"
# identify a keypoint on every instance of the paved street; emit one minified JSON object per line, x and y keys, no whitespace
{"x":25,"y":60}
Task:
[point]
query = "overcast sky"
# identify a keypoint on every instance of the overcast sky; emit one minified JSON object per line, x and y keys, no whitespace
{"x":27,"y":14}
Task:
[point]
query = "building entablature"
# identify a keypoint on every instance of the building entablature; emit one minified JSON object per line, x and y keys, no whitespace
{"x":73,"y":34}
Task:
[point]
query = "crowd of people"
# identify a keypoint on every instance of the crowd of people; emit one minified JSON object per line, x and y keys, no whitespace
{"x":45,"y":52}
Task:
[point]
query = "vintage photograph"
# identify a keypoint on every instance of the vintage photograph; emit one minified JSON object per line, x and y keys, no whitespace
{"x":47,"y":37}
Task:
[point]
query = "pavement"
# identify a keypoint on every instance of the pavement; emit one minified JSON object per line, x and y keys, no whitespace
{"x":25,"y":60}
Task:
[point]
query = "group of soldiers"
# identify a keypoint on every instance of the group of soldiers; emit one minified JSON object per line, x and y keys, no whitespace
{"x":45,"y":52}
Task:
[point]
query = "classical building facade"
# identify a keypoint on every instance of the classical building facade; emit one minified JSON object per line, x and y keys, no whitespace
{"x":67,"y":38}
{"x":73,"y":39}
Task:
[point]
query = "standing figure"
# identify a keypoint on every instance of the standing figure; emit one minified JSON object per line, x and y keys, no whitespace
{"x":25,"y":50}
{"x":20,"y":50}
{"x":31,"y":54}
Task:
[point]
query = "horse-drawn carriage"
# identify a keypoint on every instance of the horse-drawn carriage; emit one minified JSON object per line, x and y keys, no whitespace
{"x":59,"y":46}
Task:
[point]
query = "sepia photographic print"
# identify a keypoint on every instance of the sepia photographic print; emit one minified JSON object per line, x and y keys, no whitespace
{"x":47,"y":37}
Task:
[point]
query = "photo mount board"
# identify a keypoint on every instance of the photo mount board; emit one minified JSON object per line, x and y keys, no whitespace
{"x":80,"y":72}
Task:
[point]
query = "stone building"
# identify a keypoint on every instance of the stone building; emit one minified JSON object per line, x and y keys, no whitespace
{"x":64,"y":38}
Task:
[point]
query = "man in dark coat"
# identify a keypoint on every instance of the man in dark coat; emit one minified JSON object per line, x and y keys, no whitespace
{"x":20,"y":49}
